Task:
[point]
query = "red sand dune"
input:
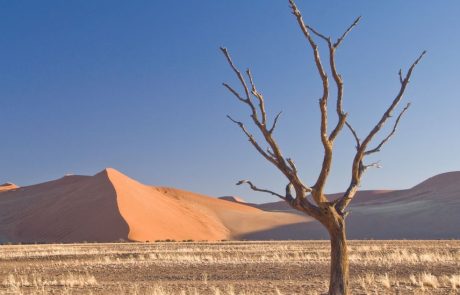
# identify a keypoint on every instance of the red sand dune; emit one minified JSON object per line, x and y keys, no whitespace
{"x":110,"y":206}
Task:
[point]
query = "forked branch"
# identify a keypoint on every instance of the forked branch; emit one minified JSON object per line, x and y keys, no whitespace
{"x":357,"y":167}
{"x":355,"y":135}
{"x":273,"y":152}
{"x":259,"y":96}
{"x":254,"y":142}
{"x":337,"y":43}
{"x":274,"y":123}
{"x":237,"y":72}
{"x":326,"y":139}
{"x":395,"y":126}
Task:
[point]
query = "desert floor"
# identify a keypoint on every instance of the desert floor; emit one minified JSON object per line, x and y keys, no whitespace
{"x":286,"y":267}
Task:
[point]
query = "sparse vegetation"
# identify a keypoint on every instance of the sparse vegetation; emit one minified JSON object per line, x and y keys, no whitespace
{"x":227,"y":268}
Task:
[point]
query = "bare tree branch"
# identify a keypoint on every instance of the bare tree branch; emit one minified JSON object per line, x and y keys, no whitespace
{"x":292,"y":164}
{"x":247,"y":100}
{"x":379,"y":146}
{"x":337,"y":78}
{"x":357,"y":167}
{"x":412,"y":67}
{"x":275,"y":156}
{"x":237,"y":72}
{"x":274,"y":123}
{"x":339,"y":81}
{"x":342,"y":117}
{"x":337,"y":43}
{"x":372,"y":165}
{"x":234,"y":92}
{"x":254,"y":188}
{"x":269,"y":151}
{"x":259,"y":96}
{"x":253,"y":141}
{"x":393,"y":105}
{"x":317,"y":33}
{"x":313,"y":45}
{"x":355,"y":135}
{"x":318,"y":195}
{"x":320,"y":68}
{"x":326,"y":140}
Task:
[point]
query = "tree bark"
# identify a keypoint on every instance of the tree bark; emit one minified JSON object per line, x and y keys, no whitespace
{"x":339,"y":278}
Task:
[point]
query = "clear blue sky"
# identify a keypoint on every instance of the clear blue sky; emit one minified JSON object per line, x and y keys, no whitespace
{"x":136,"y":85}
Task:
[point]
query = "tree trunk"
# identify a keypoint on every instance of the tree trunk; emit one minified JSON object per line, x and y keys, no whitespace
{"x":339,"y":278}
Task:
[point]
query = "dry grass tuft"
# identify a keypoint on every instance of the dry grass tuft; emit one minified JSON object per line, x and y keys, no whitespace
{"x":429,"y":280}
{"x":384,"y":280}
{"x":454,"y":281}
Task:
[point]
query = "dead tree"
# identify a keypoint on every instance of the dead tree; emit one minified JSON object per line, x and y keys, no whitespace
{"x":311,"y":199}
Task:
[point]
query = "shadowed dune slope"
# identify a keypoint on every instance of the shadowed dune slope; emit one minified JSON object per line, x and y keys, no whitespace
{"x":426,"y":211}
{"x":70,"y":209}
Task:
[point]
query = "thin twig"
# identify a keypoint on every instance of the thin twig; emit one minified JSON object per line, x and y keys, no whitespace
{"x":395,"y":126}
{"x":254,"y":188}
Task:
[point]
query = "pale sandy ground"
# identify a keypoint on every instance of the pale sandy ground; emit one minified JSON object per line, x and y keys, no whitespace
{"x":228,"y":268}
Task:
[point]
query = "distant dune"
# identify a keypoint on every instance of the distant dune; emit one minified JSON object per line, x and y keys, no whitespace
{"x":429,"y":210}
{"x":110,"y":206}
{"x":233,"y":199}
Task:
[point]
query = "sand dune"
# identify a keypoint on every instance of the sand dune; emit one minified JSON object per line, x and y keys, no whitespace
{"x":110,"y":206}
{"x":426,"y":211}
{"x":73,"y":208}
